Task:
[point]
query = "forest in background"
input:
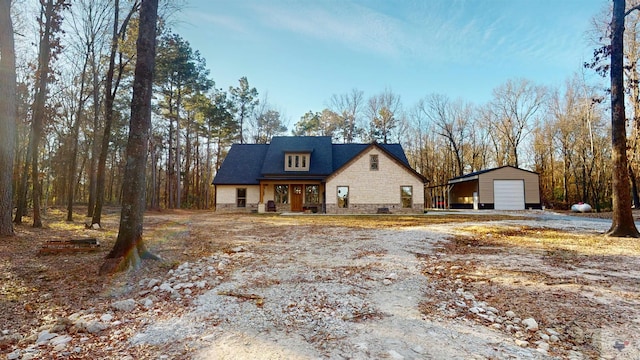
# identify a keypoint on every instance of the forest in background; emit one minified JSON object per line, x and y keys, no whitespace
{"x":73,"y":110}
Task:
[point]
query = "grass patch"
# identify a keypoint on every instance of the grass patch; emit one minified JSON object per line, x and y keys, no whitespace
{"x":562,"y":243}
{"x":379,"y":221}
{"x":577,"y":283}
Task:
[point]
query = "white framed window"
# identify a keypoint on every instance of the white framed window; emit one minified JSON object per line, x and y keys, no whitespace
{"x":296,"y":161}
{"x":241,"y":197}
{"x":343,"y":197}
{"x":406,"y":196}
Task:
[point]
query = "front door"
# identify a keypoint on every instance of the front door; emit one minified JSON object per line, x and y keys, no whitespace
{"x":296,"y":197}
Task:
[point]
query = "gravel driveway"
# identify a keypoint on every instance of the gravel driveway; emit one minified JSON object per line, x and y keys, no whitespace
{"x":306,"y":292}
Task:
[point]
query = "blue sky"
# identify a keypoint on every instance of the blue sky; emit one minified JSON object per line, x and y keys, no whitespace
{"x":302,"y":52}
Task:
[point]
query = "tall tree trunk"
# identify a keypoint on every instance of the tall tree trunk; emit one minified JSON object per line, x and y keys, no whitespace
{"x":187,"y":162}
{"x":73,"y":164}
{"x":208,"y":180}
{"x":109,"y":96}
{"x":169,"y":184}
{"x":178,"y":155}
{"x":129,"y":246}
{"x":634,"y":188}
{"x":153,"y":202}
{"x":21,"y":204}
{"x":7,"y":116}
{"x":95,"y":149}
{"x":44,"y":55}
{"x":622,"y":224}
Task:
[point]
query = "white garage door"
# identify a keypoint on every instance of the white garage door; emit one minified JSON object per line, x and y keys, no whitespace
{"x":508,"y":194}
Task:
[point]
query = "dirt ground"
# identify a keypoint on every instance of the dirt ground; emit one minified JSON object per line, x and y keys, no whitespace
{"x":439,"y":286}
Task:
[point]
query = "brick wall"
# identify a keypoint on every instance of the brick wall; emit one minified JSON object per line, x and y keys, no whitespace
{"x":371,"y":189}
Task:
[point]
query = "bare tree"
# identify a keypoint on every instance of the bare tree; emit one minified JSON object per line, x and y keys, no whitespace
{"x":384,"y":112}
{"x":623,"y":223}
{"x":451,"y":119}
{"x":513,"y":108}
{"x":349,"y":108}
{"x":51,"y":20}
{"x":87,"y":24}
{"x":112,"y":83}
{"x":7,"y":116}
{"x":129,"y":246}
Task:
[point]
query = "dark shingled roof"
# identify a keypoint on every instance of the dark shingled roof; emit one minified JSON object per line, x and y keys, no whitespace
{"x":343,"y":153}
{"x":246,"y":164}
{"x":480,"y":172}
{"x":318,"y":146}
{"x":242,"y":165}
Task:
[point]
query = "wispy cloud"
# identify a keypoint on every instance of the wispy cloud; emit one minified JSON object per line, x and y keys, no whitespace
{"x":224,"y":22}
{"x":352,"y":25}
{"x":463,"y":32}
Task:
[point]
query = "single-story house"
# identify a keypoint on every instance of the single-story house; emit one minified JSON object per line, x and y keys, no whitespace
{"x":502,"y":188}
{"x":310,"y":173}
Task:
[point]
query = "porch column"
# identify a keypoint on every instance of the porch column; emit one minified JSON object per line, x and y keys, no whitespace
{"x":261,"y":202}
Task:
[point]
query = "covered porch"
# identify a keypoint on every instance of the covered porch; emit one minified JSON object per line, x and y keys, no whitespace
{"x":463,"y":194}
{"x":437,"y":197}
{"x":291,"y":196}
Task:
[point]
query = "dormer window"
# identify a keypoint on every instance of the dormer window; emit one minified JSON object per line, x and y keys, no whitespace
{"x":296,"y":161}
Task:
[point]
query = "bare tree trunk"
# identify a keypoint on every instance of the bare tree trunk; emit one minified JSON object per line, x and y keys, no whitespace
{"x":170,"y":194}
{"x":95,"y":149}
{"x":44,"y":55}
{"x":622,"y":224}
{"x":153,"y":201}
{"x":108,"y":120}
{"x":187,"y":161}
{"x":21,"y":204}
{"x":74,"y":137}
{"x":129,"y":246}
{"x":110,"y":94}
{"x":208,"y":167}
{"x":178,"y":155}
{"x":7,"y":117}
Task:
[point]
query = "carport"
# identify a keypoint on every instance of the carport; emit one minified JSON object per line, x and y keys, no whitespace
{"x":502,"y":188}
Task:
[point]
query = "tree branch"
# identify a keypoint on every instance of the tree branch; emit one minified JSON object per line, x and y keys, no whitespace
{"x":632,"y":9}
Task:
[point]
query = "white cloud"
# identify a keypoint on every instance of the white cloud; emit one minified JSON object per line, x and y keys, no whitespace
{"x":351,"y":25}
{"x":459,"y":32}
{"x":224,"y":22}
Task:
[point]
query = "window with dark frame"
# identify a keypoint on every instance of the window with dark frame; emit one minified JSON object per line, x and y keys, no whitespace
{"x":406,"y":196}
{"x":281,"y":194}
{"x":373,"y":162}
{"x":343,"y":197}
{"x":241,"y":197}
{"x":312,"y":194}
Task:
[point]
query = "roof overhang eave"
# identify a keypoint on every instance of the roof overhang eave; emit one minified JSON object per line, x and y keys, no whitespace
{"x":464,"y":179}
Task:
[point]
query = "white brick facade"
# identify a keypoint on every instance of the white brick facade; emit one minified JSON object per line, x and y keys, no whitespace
{"x":373,"y":189}
{"x":226,"y":197}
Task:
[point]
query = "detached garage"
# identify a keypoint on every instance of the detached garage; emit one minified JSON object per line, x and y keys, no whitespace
{"x":503,"y":188}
